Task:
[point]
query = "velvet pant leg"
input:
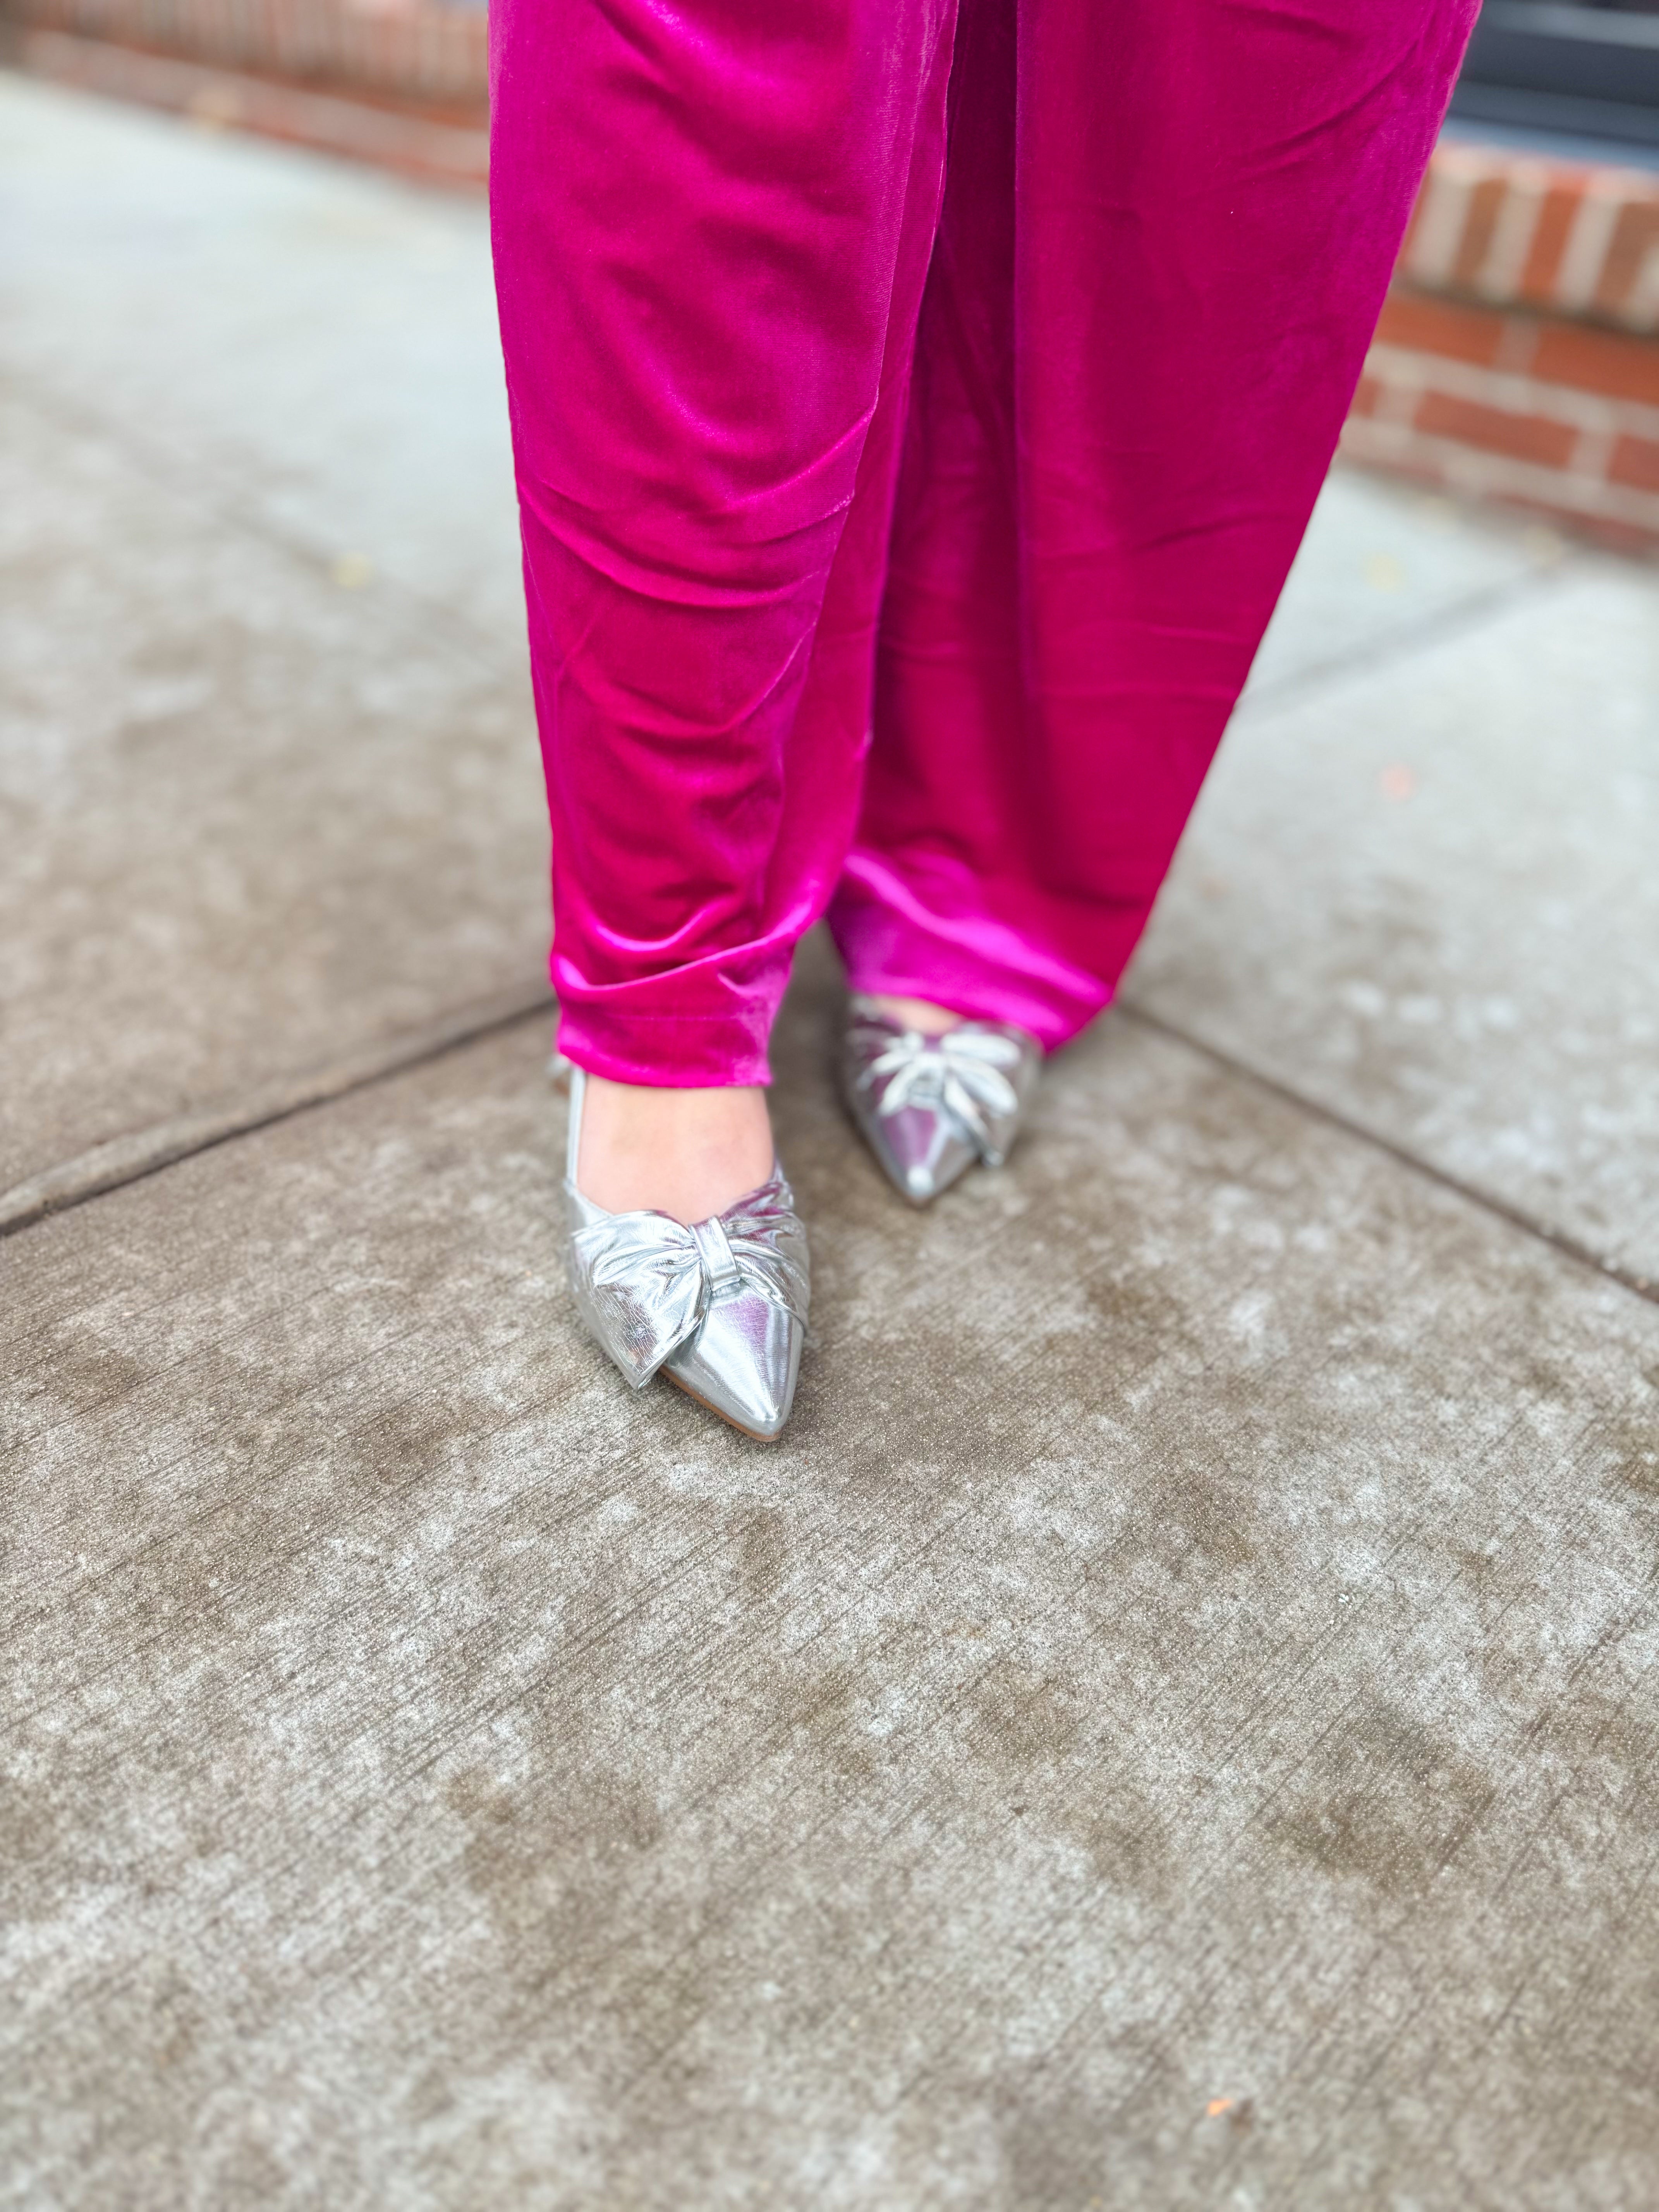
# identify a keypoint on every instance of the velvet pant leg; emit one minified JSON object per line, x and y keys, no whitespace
{"x":712,"y":226}
{"x":1165,"y":236}
{"x":1166,"y":230}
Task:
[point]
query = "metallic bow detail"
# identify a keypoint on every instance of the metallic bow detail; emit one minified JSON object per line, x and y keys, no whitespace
{"x":644,"y":1282}
{"x":965,"y":1074}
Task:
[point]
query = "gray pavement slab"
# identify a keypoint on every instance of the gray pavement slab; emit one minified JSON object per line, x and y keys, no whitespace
{"x":313,"y":341}
{"x":250,"y":816}
{"x":1174,"y":1723}
{"x":1384,"y":564}
{"x":1424,"y":895}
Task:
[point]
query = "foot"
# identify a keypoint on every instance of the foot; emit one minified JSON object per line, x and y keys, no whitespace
{"x":931,"y":1102}
{"x":688,"y":1153}
{"x":914,"y":1014}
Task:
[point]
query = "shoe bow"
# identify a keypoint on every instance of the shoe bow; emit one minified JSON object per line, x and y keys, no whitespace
{"x":963,"y":1075}
{"x":644,"y":1281}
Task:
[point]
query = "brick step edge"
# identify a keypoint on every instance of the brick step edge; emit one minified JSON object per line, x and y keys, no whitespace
{"x":217,"y":99}
{"x":1546,"y":412}
{"x":1505,"y":227}
{"x":414,"y":50}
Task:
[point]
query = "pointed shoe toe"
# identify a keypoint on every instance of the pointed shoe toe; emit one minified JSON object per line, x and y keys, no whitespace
{"x":743,"y":1363}
{"x":931,"y":1107}
{"x":920,"y":1151}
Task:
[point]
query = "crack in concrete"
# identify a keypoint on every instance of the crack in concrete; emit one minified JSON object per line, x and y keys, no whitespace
{"x":236,"y":505}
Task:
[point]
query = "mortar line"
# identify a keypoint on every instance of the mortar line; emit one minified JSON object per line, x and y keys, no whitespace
{"x":1531,"y":1224}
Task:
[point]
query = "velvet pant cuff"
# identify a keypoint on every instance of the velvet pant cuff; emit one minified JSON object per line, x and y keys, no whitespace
{"x":894,"y":944}
{"x":612,"y":1033}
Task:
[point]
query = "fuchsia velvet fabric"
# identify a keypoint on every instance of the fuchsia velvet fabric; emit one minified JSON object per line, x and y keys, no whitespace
{"x":915,"y":412}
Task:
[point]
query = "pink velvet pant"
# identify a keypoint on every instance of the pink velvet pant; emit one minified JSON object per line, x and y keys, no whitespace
{"x":916,"y":407}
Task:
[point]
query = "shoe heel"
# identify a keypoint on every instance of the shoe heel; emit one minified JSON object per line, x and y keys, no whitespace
{"x":573,"y":1139}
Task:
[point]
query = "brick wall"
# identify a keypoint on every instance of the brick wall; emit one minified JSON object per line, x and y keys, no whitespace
{"x":402,"y":84}
{"x":419,"y":51}
{"x":1518,"y":353}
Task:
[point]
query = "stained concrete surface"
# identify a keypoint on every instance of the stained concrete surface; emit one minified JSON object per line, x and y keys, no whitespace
{"x":1195,"y":1644}
{"x":1173,"y":1724}
{"x":302,"y":355}
{"x":249,"y":813}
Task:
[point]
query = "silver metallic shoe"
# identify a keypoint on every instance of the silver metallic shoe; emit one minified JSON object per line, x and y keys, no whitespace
{"x":721,"y":1307}
{"x":929,"y":1107}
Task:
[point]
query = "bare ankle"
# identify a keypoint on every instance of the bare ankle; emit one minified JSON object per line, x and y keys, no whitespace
{"x":916,"y":1013}
{"x":685,"y":1152}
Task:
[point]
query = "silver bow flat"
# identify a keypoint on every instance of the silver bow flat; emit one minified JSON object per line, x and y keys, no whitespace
{"x":720,"y":1309}
{"x":929,"y":1107}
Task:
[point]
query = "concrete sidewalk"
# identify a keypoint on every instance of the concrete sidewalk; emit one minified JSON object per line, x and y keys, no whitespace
{"x":1173,"y":1724}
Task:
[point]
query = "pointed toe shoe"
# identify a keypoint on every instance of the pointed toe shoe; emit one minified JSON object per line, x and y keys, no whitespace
{"x":930,"y":1107}
{"x":719,"y":1307}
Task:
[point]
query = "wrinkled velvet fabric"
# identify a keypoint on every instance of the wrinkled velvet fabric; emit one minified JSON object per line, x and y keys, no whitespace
{"x":915,"y":421}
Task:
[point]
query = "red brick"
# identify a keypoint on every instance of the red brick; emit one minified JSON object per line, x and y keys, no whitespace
{"x":1418,"y":206}
{"x":1635,"y":235}
{"x":1598,"y":361}
{"x":1523,"y":437}
{"x":415,"y":49}
{"x":379,"y":131}
{"x":1424,"y":325}
{"x":1479,"y":224}
{"x":1555,"y":220}
{"x":1636,"y":463}
{"x":1366,"y":399}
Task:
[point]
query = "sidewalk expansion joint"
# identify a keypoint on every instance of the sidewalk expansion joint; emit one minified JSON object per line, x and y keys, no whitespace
{"x":1420,"y":636}
{"x":144,"y":1152}
{"x":1529,"y":1224}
